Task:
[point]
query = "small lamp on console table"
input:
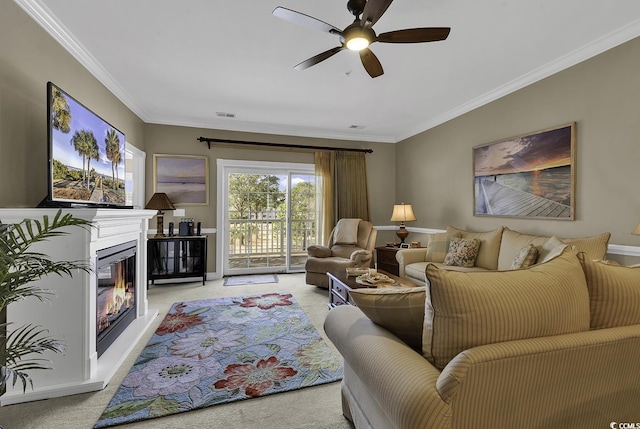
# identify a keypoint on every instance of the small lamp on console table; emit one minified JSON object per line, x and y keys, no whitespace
{"x":160,"y":201}
{"x":402,"y":213}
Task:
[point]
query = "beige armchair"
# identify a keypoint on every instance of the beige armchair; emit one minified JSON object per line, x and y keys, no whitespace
{"x":351,"y":244}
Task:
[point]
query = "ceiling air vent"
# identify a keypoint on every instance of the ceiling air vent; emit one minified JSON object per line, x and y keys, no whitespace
{"x":225,"y":115}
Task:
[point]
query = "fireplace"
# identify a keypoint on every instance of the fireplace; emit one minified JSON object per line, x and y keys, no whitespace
{"x":116,"y":292}
{"x":73,"y":311}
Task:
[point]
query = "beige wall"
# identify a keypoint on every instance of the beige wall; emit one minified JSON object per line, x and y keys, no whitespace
{"x":163,"y":139}
{"x":601,"y":95}
{"x":29,"y":57}
{"x":433,"y":168}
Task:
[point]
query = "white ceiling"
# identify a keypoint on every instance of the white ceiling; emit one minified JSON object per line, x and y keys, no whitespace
{"x":182,"y":62}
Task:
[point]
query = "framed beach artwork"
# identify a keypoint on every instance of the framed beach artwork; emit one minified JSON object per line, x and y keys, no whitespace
{"x":528,"y":176}
{"x":185,"y":179}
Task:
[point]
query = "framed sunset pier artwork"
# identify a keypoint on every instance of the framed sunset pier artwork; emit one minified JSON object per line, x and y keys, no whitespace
{"x":185,"y":179}
{"x":528,"y":176}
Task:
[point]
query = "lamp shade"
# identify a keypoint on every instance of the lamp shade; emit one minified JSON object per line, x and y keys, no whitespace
{"x":160,"y":201}
{"x":637,"y":230}
{"x":402,"y":213}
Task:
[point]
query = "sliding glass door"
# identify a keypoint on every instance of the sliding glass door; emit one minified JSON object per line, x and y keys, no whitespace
{"x":302,"y":218}
{"x":269,"y":216}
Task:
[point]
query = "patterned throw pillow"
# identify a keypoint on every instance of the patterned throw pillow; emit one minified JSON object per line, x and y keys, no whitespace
{"x":489,"y":245}
{"x":462,"y":252}
{"x":438,"y":245}
{"x":525,"y":257}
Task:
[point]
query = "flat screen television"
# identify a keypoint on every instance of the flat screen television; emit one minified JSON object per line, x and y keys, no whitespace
{"x":86,"y":156}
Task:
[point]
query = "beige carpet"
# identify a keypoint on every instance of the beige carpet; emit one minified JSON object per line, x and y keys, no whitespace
{"x":313,"y":407}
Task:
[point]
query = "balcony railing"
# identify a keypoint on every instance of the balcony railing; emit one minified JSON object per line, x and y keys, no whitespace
{"x":266,"y":239}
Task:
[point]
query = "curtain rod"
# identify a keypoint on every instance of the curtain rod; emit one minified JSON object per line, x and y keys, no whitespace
{"x":282,"y":145}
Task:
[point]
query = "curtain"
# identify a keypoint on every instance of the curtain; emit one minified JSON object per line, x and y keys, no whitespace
{"x":350,"y":196}
{"x":324,"y":201}
{"x":341,"y":189}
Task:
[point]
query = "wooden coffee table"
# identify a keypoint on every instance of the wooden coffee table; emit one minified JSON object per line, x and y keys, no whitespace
{"x":340,"y":285}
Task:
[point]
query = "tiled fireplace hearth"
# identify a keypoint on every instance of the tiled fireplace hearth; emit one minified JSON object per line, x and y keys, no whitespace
{"x":72,"y":314}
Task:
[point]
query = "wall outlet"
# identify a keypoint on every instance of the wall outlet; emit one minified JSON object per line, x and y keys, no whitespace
{"x":178,"y":212}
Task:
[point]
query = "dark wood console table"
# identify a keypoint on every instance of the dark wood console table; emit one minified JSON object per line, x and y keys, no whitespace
{"x":176,"y":257}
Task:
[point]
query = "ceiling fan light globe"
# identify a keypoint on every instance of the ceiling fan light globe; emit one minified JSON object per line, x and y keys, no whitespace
{"x":357,"y":43}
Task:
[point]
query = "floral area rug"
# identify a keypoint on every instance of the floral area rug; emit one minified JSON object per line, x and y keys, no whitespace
{"x":221,"y":350}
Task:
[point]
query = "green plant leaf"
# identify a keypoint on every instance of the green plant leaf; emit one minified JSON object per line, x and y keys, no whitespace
{"x":19,"y":269}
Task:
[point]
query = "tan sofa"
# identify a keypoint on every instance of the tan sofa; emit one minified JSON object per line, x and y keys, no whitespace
{"x":497,"y":251}
{"x":556,"y":345}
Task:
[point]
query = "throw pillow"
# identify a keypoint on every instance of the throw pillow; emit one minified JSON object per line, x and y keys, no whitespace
{"x":614,"y":293}
{"x":438,"y":245}
{"x":346,"y":231}
{"x":595,"y":247}
{"x":462,"y":252}
{"x":469,"y":309}
{"x":489,"y":245}
{"x":525,"y":257}
{"x":550,"y":249}
{"x":399,"y":310}
{"x":512,"y":242}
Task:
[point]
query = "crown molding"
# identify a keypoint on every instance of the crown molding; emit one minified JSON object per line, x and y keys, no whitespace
{"x":579,"y":55}
{"x":260,"y":128}
{"x":45,"y":18}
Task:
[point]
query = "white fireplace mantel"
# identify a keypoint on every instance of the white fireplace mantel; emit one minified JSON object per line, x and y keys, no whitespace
{"x":71,"y":315}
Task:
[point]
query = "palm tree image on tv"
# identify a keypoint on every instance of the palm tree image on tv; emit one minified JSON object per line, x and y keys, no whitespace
{"x":61,"y":117}
{"x":87,"y":154}
{"x":112,"y":144}
{"x":85,"y":143}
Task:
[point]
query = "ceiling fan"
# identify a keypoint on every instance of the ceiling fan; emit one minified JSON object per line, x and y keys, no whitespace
{"x":359,"y":35}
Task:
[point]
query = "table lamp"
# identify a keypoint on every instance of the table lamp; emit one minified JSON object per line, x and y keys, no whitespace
{"x":637,"y":230}
{"x":402,"y":213}
{"x":160,"y":201}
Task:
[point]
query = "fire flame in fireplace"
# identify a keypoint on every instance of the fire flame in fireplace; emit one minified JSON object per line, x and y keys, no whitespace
{"x":116,"y":298}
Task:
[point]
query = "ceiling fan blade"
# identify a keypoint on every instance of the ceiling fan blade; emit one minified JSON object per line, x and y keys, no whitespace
{"x":415,"y":35}
{"x":318,"y":58}
{"x":374,"y":10}
{"x":371,"y":63}
{"x":304,"y":20}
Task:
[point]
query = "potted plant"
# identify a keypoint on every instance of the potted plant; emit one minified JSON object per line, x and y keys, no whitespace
{"x":19,"y":269}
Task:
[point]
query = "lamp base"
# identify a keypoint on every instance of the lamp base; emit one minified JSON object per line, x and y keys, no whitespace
{"x":402,"y":233}
{"x":160,"y":227}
